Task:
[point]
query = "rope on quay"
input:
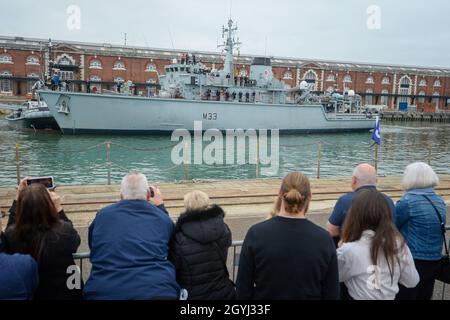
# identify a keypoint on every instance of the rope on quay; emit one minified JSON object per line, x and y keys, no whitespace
{"x":85,"y":149}
{"x":143,"y":149}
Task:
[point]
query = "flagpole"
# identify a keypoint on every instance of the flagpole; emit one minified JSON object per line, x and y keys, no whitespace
{"x":376,"y":157}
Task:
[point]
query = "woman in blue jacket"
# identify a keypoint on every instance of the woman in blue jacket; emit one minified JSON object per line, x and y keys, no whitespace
{"x":418,"y":220}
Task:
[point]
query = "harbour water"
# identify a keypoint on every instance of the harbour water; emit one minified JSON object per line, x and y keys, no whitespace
{"x":83,"y":159}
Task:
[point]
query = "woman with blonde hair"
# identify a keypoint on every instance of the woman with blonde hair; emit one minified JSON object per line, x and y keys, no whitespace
{"x":287,"y":256}
{"x":199,"y":249}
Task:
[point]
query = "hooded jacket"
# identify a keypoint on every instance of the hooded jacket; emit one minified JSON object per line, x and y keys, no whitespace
{"x":198,"y":249}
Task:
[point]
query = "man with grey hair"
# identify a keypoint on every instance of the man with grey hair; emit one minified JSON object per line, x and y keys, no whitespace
{"x":129,"y":244}
{"x":364,"y":177}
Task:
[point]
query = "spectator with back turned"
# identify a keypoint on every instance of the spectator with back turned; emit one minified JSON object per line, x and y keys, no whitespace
{"x":373,"y":259}
{"x":38,"y":227}
{"x":287,"y":256}
{"x":199,"y":250}
{"x":18,"y":274}
{"x":364,"y":178}
{"x":129,"y":243}
{"x":419,"y":217}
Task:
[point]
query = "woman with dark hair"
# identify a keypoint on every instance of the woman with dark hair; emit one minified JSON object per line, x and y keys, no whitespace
{"x":199,"y":250}
{"x":373,"y":258}
{"x":40,"y":228}
{"x":287,"y":256}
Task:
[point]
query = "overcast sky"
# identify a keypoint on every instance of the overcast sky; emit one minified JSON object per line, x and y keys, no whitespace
{"x":412,"y":32}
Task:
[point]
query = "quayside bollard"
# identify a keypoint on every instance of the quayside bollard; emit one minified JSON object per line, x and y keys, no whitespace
{"x":17,"y":164}
{"x":319,"y":151}
{"x":108,"y":160}
{"x":186,"y":162}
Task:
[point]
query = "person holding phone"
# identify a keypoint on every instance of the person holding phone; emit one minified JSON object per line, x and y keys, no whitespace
{"x":129,"y":243}
{"x":38,"y":226}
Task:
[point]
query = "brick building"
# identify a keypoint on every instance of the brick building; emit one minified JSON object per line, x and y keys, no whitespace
{"x":24,"y":60}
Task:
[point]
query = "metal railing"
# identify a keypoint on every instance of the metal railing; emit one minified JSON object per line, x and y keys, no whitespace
{"x":82,"y":256}
{"x":234,"y":261}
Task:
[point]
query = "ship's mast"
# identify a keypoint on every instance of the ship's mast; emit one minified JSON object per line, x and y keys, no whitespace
{"x":228,"y":46}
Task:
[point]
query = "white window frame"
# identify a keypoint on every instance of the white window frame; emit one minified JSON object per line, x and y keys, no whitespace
{"x":386,"y":80}
{"x":6,"y":58}
{"x":115,"y":67}
{"x":331,"y":78}
{"x":422,"y":83}
{"x":32,"y":63}
{"x":150,"y":67}
{"x":95,"y":64}
{"x":421,"y":98}
{"x":287,"y":75}
{"x":348,"y":78}
{"x":369,"y":98}
{"x":437,"y":83}
{"x":384,"y":98}
{"x":370,"y":80}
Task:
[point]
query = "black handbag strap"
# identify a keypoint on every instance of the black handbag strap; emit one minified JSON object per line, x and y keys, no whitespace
{"x":442,"y":224}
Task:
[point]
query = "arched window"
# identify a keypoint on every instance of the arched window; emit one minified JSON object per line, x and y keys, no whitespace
{"x":369,"y":80}
{"x":369,"y":98}
{"x":384,"y":97}
{"x":243,"y":72}
{"x":422,"y":96}
{"x":95,"y":64}
{"x":96,"y":78}
{"x":5,"y":84}
{"x":310,"y":76}
{"x":65,"y":61}
{"x":6,"y":58}
{"x":119,"y":65}
{"x":437,"y":83}
{"x":422,"y":83}
{"x":151,"y":81}
{"x":150,"y":67}
{"x":385,"y":80}
{"x":331,"y":78}
{"x":32,"y":60}
{"x":347,"y":78}
{"x":287,"y":75}
{"x":119,"y":79}
{"x":32,"y":78}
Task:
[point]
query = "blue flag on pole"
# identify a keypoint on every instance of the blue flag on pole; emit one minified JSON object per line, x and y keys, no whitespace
{"x":376,"y":136}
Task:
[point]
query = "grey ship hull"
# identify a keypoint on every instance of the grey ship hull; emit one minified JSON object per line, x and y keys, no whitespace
{"x":104,"y":114}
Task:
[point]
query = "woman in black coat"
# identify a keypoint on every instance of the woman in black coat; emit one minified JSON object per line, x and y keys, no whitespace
{"x":199,"y":249}
{"x":41,"y":229}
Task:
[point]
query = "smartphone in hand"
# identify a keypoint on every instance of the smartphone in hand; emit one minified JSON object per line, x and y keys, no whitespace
{"x":48,"y":182}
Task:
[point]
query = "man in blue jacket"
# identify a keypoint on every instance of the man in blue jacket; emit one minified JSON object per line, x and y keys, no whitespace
{"x":129,"y":247}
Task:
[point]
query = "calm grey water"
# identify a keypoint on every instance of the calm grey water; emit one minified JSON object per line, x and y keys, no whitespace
{"x":82,"y":159}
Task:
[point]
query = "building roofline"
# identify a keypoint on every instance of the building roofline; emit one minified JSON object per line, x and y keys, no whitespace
{"x":294,"y":61}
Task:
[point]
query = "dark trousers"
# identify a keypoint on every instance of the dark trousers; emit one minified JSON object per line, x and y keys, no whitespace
{"x":424,"y":290}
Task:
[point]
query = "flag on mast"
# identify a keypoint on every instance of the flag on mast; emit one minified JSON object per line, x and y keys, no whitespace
{"x":376,"y":135}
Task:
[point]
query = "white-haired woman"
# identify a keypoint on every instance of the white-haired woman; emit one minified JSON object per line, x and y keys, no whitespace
{"x":418,"y":217}
{"x":199,"y":249}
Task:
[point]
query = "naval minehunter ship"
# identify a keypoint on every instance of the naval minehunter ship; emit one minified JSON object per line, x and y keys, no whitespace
{"x":191,"y":92}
